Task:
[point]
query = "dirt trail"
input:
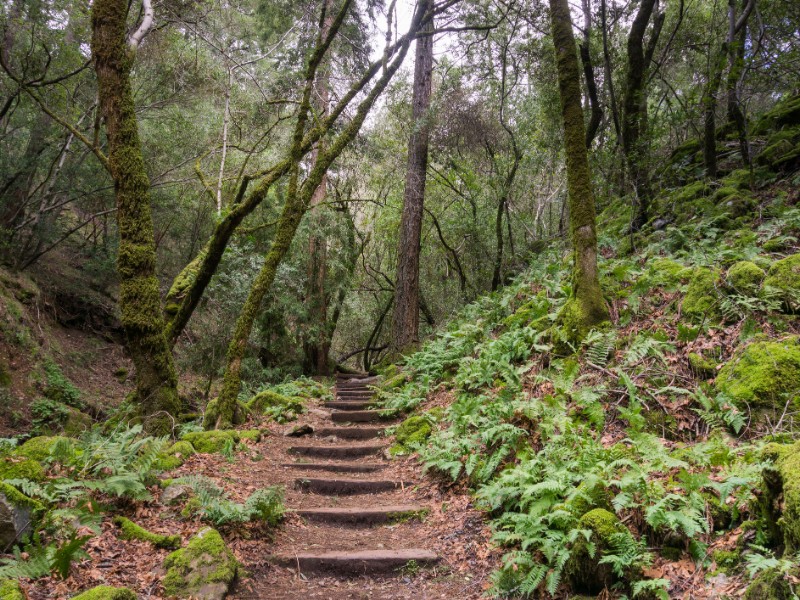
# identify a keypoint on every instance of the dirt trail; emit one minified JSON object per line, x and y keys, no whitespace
{"x":359,"y":526}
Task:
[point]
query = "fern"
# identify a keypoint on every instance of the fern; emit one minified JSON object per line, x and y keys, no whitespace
{"x":599,"y":346}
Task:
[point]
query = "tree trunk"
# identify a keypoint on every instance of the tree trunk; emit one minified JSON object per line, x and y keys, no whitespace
{"x":140,"y":304}
{"x":736,"y":49}
{"x":588,"y":74}
{"x":586,"y":307}
{"x":631,"y":121}
{"x":405,"y":321}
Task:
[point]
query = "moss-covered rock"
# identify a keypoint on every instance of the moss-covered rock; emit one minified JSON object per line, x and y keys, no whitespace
{"x":702,"y":366}
{"x":204,"y":569}
{"x":17,"y":513}
{"x":394,"y":382}
{"x":782,"y":148}
{"x":76,"y":423}
{"x":745,"y":278}
{"x":14,"y":467}
{"x":106,"y":592}
{"x":584,"y":571}
{"x":211,"y":414}
{"x":10,"y":590}
{"x":784,"y":113}
{"x":702,"y":299}
{"x":38,"y":448}
{"x":208,"y":442}
{"x":411,"y":432}
{"x":784,"y":278}
{"x":763,"y":374}
{"x":770,"y":585}
{"x":175,"y":455}
{"x":782,"y":494}
{"x":128,"y":530}
{"x":263,"y":401}
{"x":667,"y":272}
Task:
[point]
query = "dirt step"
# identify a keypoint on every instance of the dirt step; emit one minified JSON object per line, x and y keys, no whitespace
{"x":348,"y":404}
{"x":349,"y":433}
{"x":354,"y":390}
{"x":356,"y":563}
{"x":357,"y":416}
{"x":369,"y":515}
{"x":337,"y":451}
{"x":337,"y":467}
{"x":354,"y":393}
{"x":347,"y":487}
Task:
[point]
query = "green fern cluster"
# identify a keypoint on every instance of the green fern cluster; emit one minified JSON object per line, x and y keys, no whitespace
{"x":212,"y":504}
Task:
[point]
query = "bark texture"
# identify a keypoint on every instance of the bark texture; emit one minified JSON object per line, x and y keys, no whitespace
{"x":405,"y":319}
{"x":586,"y":308}
{"x":140,"y":304}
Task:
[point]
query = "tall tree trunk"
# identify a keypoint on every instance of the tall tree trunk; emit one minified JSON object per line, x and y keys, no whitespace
{"x":586,"y":308}
{"x":736,"y":50}
{"x":709,"y":102}
{"x":405,"y":319}
{"x":588,"y":74}
{"x":631,"y":115}
{"x":140,"y":303}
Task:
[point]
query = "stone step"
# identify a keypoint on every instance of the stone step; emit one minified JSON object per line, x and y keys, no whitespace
{"x":357,"y":416}
{"x":356,"y":563}
{"x":348,"y":404}
{"x":346,"y":487}
{"x":349,"y":433}
{"x":367,"y":515}
{"x":361,"y":389}
{"x":337,"y":451}
{"x":336,"y":467}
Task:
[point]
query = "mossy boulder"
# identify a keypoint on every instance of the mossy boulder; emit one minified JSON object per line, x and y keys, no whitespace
{"x":17,"y":513}
{"x":782,"y":494}
{"x":77,"y":422}
{"x":784,"y":278}
{"x":38,"y":448}
{"x":211,"y":414}
{"x":266,"y":400}
{"x":702,"y":299}
{"x":15,"y":467}
{"x":203,"y":570}
{"x":411,"y":432}
{"x":208,"y":442}
{"x":584,"y":571}
{"x":10,"y":590}
{"x":785,"y":113}
{"x":745,"y":278}
{"x":770,"y":585}
{"x":667,"y":272}
{"x":782,"y":149}
{"x":175,"y":455}
{"x":106,"y":592}
{"x":763,"y":374}
{"x":394,"y":382}
{"x":128,"y":530}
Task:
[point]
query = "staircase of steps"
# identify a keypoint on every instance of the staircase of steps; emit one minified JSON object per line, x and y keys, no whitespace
{"x":353,"y":454}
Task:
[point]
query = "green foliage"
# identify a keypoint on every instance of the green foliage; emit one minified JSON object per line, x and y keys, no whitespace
{"x":106,"y":592}
{"x":60,"y":389}
{"x":43,"y":560}
{"x":131,"y":531}
{"x":213,"y":505}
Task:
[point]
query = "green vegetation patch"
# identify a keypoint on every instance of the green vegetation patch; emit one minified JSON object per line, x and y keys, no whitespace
{"x":277,"y":406}
{"x":410,"y":433}
{"x":745,"y":277}
{"x":208,"y":442}
{"x":12,"y":467}
{"x":131,"y":531}
{"x":106,"y":592}
{"x":702,"y":299}
{"x":10,"y":590}
{"x":206,"y":564}
{"x":38,"y":448}
{"x":784,"y":277}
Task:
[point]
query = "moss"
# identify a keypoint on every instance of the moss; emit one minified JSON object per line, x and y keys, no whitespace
{"x":106,"y":592}
{"x":10,"y":590}
{"x":727,"y":560}
{"x":26,"y":468}
{"x":667,"y":272}
{"x":701,"y":301}
{"x":584,"y":571}
{"x":784,"y":278}
{"x":267,"y":399}
{"x":785,"y":112}
{"x":212,"y":413}
{"x":587,"y":498}
{"x":387,"y":371}
{"x":777,"y":244}
{"x":701,"y":365}
{"x":575,"y":321}
{"x":762,"y":374}
{"x":76,"y":423}
{"x":205,"y":564}
{"x":745,"y":277}
{"x":781,"y":148}
{"x":183,"y":282}
{"x":411,"y":432}
{"x":131,"y":531}
{"x":38,"y":448}
{"x":670,"y":553}
{"x":17,"y":498}
{"x":393,"y":382}
{"x":529,"y":312}
{"x":208,"y":442}
{"x":175,"y":456}
{"x":721,"y":514}
{"x":770,"y":585}
{"x":782,"y":485}
{"x":251,"y":435}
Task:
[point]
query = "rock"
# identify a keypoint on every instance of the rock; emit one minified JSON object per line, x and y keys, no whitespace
{"x":784,"y":278}
{"x":175,"y":456}
{"x":17,"y":514}
{"x":762,"y":375}
{"x":770,"y":585}
{"x":745,"y":278}
{"x":701,"y":365}
{"x":174,"y":492}
{"x":584,"y":571}
{"x":106,"y":592}
{"x":702,"y":298}
{"x":204,"y":570}
{"x":299,"y":431}
{"x":660,"y":224}
{"x":208,"y":442}
{"x":15,"y":467}
{"x":410,"y":433}
{"x":38,"y":448}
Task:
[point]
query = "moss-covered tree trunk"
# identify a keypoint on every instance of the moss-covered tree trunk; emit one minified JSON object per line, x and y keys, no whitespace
{"x":139,"y":300}
{"x":586,"y":308}
{"x":405,"y":319}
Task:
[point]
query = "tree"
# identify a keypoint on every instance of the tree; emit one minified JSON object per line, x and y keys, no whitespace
{"x":586,"y":307}
{"x":139,"y":299}
{"x":405,"y":320}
